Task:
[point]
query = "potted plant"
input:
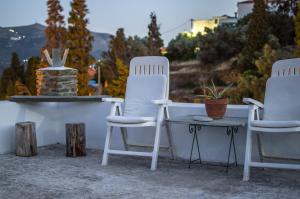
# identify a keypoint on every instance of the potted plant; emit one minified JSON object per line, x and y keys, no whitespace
{"x":215,"y":102}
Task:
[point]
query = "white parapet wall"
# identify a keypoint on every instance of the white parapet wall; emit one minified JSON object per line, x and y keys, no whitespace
{"x":50,"y":119}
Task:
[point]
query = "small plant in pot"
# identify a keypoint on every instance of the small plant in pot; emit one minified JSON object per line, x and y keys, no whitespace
{"x":215,"y":102}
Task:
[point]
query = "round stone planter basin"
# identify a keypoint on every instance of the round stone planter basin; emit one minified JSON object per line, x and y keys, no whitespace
{"x":57,"y":81}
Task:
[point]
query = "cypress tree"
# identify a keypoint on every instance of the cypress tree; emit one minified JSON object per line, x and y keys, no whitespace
{"x":136,"y":46}
{"x":30,"y":74}
{"x":297,"y":30}
{"x":17,"y":68}
{"x":55,"y":31}
{"x":257,"y":33}
{"x":2,"y":94}
{"x":10,"y":76}
{"x":79,"y":43}
{"x":117,"y":87}
{"x":119,"y":46}
{"x":117,"y":50}
{"x":154,"y":42}
{"x":7,"y":83}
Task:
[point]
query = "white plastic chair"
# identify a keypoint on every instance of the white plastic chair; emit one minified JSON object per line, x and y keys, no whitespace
{"x":146,"y":104}
{"x":280,"y":112}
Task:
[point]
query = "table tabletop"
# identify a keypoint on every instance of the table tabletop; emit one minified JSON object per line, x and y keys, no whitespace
{"x":224,"y":122}
{"x":24,"y":99}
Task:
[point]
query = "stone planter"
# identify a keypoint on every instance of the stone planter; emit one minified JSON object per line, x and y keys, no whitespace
{"x":57,"y":81}
{"x":216,"y":108}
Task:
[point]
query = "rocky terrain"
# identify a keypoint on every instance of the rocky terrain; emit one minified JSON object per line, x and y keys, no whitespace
{"x":187,"y":78}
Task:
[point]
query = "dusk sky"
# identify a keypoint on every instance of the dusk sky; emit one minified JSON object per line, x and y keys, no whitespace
{"x":133,"y":15}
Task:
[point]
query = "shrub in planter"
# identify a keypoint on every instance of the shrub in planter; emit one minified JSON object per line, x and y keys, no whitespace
{"x":215,"y":103}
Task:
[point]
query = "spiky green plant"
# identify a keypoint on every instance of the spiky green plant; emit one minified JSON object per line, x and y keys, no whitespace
{"x":213,"y":92}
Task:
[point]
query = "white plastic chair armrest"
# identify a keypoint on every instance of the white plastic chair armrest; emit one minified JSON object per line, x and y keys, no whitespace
{"x":112,"y":99}
{"x":162,"y":102}
{"x":250,"y":101}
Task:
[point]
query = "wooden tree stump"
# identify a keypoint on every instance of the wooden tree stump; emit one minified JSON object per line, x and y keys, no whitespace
{"x":75,"y":139}
{"x":26,"y":144}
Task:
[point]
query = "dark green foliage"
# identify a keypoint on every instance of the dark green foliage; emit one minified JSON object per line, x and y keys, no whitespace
{"x":225,"y":42}
{"x":117,"y":50}
{"x":282,"y":26}
{"x":221,"y":44}
{"x":244,"y":21}
{"x":7,"y":83}
{"x":182,"y":48}
{"x":136,"y":46}
{"x":117,"y":87}
{"x":258,"y":27}
{"x":30,"y":74}
{"x":214,"y":47}
{"x":154,"y":42}
{"x":79,"y":42}
{"x":124,"y":49}
{"x":297,"y":31}
{"x":118,"y":46}
{"x":11,"y":75}
{"x":106,"y":73}
{"x":17,"y":68}
{"x":257,"y":35}
{"x":285,"y":7}
{"x":252,"y":82}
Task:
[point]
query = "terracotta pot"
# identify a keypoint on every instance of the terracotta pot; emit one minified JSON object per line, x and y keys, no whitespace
{"x":216,"y":108}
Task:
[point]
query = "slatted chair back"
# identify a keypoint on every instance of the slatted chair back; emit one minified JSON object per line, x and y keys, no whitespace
{"x":286,"y":68}
{"x":149,"y":66}
{"x":282,"y":96}
{"x":148,"y":80}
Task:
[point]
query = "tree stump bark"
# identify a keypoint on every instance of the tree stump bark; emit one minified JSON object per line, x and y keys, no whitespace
{"x":75,"y":139}
{"x":26,"y":144}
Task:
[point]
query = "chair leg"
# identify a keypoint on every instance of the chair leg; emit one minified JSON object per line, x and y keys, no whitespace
{"x":123,"y":130}
{"x":124,"y":137}
{"x":107,"y":145}
{"x":156,"y":147}
{"x":260,"y":151}
{"x":248,"y":155}
{"x":171,"y":146}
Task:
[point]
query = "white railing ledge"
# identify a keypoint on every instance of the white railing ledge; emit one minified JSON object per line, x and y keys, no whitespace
{"x":197,"y":105}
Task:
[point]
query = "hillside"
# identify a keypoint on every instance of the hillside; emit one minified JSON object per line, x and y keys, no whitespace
{"x":187,"y":78}
{"x":28,"y":40}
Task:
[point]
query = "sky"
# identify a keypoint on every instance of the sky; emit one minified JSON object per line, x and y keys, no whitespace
{"x":133,"y":15}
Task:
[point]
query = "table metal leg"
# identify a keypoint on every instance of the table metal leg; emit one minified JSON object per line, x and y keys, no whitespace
{"x":230,"y":132}
{"x":191,"y":154}
{"x":193,"y":128}
{"x":234,"y":149}
{"x":198,"y":148}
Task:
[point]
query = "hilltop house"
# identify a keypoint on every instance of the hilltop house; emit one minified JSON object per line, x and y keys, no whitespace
{"x":200,"y":25}
{"x":245,"y":7}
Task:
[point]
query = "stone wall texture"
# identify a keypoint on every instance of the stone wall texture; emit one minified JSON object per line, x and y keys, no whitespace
{"x":57,"y":82}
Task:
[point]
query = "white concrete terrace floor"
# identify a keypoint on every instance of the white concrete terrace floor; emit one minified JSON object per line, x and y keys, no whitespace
{"x":52,"y":175}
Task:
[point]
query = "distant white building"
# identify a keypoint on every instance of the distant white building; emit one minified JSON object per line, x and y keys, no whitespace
{"x":245,"y":7}
{"x":199,"y":25}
